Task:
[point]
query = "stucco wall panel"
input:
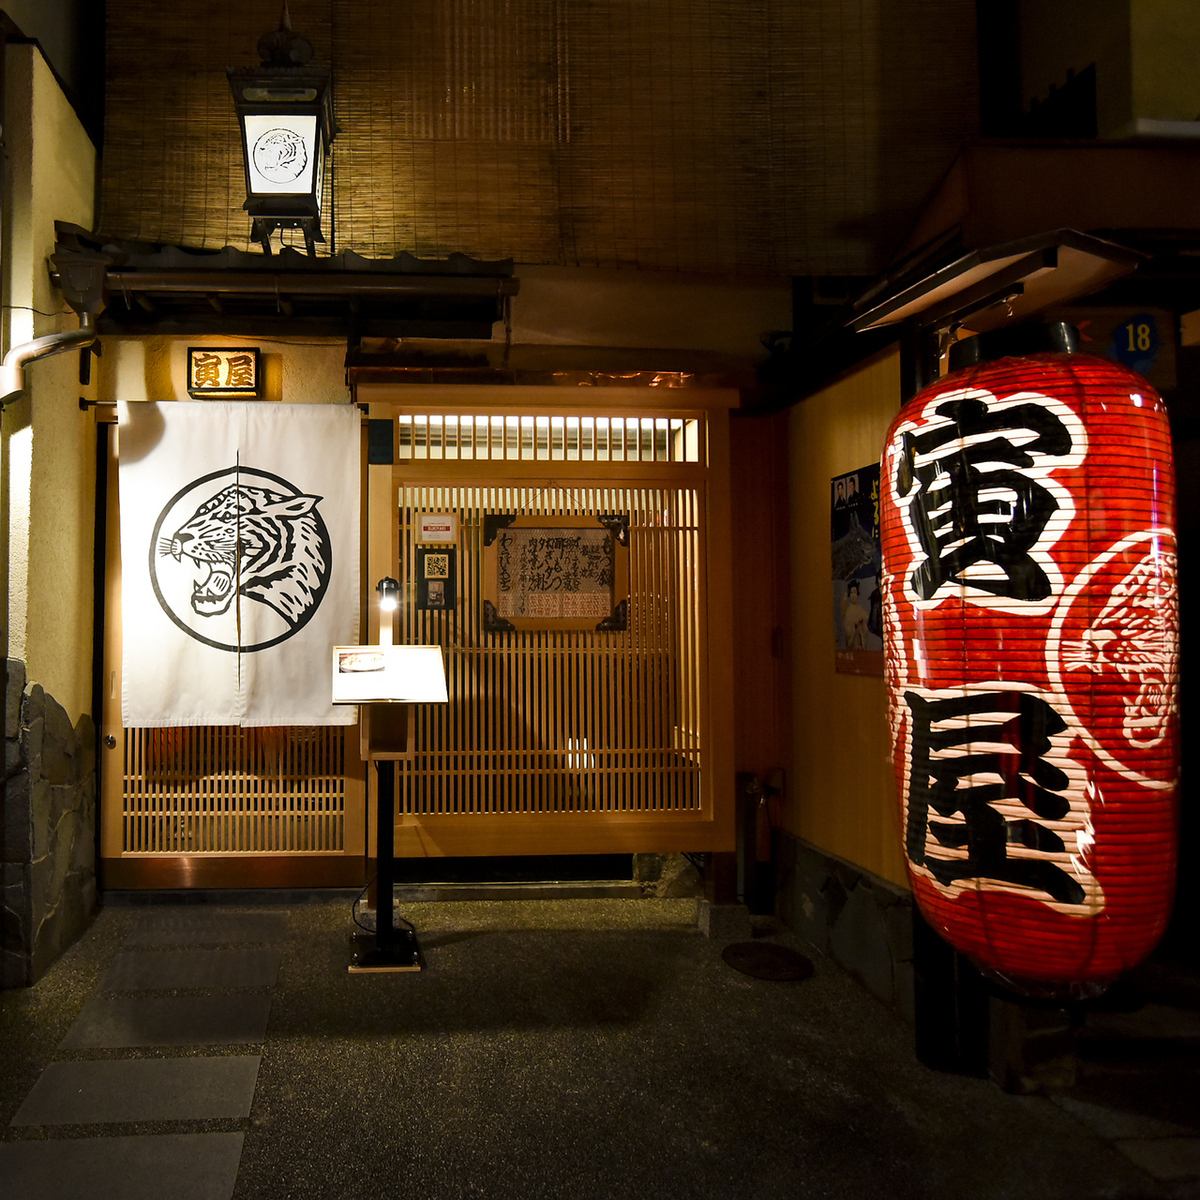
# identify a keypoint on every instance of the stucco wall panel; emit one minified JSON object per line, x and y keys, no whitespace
{"x":295,"y":371}
{"x":841,"y":797}
{"x":50,"y":443}
{"x":61,"y":543}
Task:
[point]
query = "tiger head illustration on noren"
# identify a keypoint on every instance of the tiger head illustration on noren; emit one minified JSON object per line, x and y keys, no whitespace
{"x":260,"y":543}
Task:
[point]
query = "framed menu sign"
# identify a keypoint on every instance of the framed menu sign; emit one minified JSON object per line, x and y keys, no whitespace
{"x":555,"y":572}
{"x":388,"y":674}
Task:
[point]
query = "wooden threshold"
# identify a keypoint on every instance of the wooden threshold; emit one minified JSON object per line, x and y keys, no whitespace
{"x":547,"y":833}
{"x":154,"y":872}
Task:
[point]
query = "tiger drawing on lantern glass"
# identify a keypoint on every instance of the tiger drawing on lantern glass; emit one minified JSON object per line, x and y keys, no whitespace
{"x":240,"y":559}
{"x":280,"y":156}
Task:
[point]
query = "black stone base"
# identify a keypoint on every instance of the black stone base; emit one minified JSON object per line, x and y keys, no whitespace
{"x":860,"y":921}
{"x":866,"y":926}
{"x":47,"y":839}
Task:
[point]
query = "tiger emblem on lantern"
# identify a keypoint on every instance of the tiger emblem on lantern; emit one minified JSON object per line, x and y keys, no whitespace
{"x":241,"y":548}
{"x":1031,"y":642}
{"x":279,"y":155}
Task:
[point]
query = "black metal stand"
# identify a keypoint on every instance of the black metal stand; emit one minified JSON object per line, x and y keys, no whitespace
{"x":950,"y":1002}
{"x":389,"y":948}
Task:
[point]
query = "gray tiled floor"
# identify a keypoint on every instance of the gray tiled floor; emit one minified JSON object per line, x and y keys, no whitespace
{"x":115,"y":1091}
{"x":1112,"y":1122}
{"x":206,"y":927}
{"x":592,"y":1049}
{"x":1165,"y":1158}
{"x":117,"y":1022}
{"x":225,"y":1003}
{"x":163,"y":970}
{"x":192,"y":1166}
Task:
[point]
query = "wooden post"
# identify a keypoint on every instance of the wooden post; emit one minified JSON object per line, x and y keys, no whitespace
{"x":720,"y":880}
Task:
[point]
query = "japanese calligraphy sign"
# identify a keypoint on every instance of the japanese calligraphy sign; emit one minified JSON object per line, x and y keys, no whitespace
{"x":1031,"y":646}
{"x":555,"y":572}
{"x":215,"y":371}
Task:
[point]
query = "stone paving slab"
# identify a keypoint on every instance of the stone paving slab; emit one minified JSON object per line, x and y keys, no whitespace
{"x":141,"y":1089}
{"x":192,"y":1166}
{"x":163,"y":970}
{"x":1148,"y":1021}
{"x":1112,"y":1122}
{"x":206,"y":927}
{"x":1168,"y":1159}
{"x":117,"y":1022}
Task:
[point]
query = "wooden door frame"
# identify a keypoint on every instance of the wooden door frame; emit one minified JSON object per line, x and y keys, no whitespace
{"x":714,"y":830}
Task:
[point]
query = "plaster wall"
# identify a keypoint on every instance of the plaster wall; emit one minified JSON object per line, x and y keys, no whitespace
{"x":840,"y":795}
{"x":556,"y":306}
{"x":57,"y":27}
{"x":1145,"y":53}
{"x":49,"y":445}
{"x":1166,"y":48}
{"x":579,"y":306}
{"x":1070,"y":35}
{"x":47,"y":840}
{"x":295,"y":370}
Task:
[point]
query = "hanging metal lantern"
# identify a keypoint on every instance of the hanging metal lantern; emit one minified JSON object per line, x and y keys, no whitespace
{"x":1031,"y":641}
{"x":285,"y":112}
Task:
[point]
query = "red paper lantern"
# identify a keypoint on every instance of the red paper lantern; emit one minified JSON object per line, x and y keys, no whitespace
{"x":1031,"y":639}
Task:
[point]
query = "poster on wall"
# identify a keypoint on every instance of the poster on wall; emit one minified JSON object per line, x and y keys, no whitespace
{"x":857,"y":563}
{"x":239,"y":561}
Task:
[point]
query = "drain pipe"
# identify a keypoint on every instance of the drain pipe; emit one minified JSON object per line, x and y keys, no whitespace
{"x":12,"y":370}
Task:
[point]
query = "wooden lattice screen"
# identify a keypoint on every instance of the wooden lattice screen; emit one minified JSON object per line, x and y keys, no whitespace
{"x":585,"y":736}
{"x":554,"y":741}
{"x":563,"y":722}
{"x":225,"y":790}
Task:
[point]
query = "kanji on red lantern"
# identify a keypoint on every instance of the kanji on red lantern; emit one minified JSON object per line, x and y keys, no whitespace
{"x":1031,"y":639}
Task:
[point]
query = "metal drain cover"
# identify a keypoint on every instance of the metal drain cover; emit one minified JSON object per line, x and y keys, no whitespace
{"x":767,"y":960}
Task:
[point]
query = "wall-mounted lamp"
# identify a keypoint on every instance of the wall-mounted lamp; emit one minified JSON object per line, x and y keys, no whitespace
{"x":285,"y":111}
{"x":389,"y":600}
{"x":389,"y":594}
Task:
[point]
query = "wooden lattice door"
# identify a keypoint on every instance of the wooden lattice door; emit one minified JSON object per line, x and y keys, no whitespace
{"x":582,"y":740}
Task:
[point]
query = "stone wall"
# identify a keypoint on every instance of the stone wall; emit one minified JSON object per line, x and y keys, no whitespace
{"x":862,"y":922}
{"x":47,"y":843}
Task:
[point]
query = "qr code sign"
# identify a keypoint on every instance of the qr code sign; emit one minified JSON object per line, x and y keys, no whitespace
{"x":437,"y":566}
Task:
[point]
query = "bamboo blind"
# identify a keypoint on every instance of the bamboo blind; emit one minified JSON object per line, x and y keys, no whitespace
{"x":752,"y":136}
{"x":563,"y":722}
{"x":231,"y":790}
